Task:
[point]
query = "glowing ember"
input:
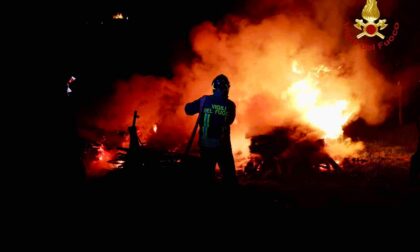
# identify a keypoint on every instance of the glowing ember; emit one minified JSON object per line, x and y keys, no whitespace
{"x":118,"y":15}
{"x":101,"y":152}
{"x":155,"y":128}
{"x":323,"y":169}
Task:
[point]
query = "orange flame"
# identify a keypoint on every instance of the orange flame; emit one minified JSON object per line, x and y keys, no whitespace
{"x":100,"y":164}
{"x":326,"y":114}
{"x":118,"y":15}
{"x":101,"y":153}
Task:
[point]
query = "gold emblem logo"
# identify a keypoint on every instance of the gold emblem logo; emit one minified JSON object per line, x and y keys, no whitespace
{"x":370,"y":13}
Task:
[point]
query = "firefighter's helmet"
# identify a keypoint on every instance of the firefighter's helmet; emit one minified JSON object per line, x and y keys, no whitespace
{"x":220,"y":82}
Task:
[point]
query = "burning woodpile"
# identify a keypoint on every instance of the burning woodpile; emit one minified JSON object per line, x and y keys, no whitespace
{"x":277,"y":154}
{"x":137,"y":156}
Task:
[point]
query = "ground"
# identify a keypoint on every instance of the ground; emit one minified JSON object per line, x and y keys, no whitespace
{"x":378,"y":177}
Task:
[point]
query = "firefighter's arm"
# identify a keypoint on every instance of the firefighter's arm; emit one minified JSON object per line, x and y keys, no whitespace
{"x":193,"y":107}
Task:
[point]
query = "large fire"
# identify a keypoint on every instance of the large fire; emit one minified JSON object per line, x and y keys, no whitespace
{"x":329,"y":115}
{"x":325,"y":114}
{"x":292,"y":68}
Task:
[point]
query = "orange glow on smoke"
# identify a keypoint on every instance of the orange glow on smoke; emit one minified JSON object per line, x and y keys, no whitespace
{"x":326,"y":114}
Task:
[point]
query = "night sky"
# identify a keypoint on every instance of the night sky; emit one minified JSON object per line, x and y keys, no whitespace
{"x":154,"y":35}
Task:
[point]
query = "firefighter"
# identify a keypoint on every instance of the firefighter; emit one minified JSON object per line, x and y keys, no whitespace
{"x":216,"y":114}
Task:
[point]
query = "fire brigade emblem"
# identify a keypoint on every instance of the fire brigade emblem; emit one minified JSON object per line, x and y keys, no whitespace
{"x":370,"y":28}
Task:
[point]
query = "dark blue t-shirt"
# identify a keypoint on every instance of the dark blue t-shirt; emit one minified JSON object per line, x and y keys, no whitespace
{"x":218,"y":113}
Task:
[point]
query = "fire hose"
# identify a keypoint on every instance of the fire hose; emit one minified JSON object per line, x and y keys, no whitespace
{"x":191,"y":140}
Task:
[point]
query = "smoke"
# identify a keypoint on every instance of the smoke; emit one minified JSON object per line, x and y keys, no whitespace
{"x":256,"y":50}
